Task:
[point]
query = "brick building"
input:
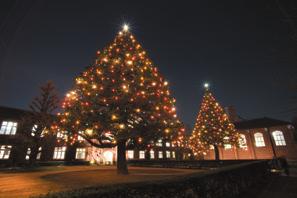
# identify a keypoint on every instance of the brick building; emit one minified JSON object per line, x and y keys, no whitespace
{"x":14,"y":150}
{"x":263,"y":138}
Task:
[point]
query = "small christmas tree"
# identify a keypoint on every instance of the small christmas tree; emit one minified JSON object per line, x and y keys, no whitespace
{"x":121,"y":97}
{"x":212,"y":127}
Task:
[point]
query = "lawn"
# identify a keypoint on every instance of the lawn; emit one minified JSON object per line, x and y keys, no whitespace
{"x":25,"y":184}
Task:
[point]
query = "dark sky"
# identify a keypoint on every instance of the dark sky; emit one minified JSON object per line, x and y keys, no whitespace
{"x":244,"y":49}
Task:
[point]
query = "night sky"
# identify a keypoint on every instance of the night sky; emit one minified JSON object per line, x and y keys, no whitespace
{"x":244,"y":49}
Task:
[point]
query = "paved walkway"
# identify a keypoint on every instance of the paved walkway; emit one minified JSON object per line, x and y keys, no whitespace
{"x":25,"y":184}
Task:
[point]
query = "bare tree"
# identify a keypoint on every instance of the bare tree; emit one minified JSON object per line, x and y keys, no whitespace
{"x":37,"y":122}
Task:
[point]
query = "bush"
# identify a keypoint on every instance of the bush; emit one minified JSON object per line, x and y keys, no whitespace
{"x":224,"y":182}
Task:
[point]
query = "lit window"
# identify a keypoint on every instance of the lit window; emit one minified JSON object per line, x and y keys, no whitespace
{"x":80,"y":153}
{"x":152,"y":154}
{"x":39,"y":153}
{"x":167,"y":144}
{"x":141,"y":155}
{"x":160,"y":154}
{"x":211,"y":147}
{"x":259,"y":140}
{"x":8,"y":128}
{"x":173,"y":154}
{"x":159,"y":143}
{"x":227,"y":145}
{"x":79,"y":137}
{"x":59,"y":152}
{"x":5,"y":151}
{"x":167,"y":154}
{"x":34,"y":128}
{"x":242,"y":142}
{"x":130,"y":154}
{"x":28,"y":153}
{"x":279,"y":138}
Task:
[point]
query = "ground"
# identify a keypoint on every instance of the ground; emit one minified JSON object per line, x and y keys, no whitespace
{"x":25,"y":184}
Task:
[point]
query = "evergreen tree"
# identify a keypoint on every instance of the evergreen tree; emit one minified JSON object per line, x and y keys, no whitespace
{"x":121,"y":97}
{"x":212,"y":127}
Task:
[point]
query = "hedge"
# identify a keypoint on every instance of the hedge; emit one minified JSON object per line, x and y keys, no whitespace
{"x":224,"y":182}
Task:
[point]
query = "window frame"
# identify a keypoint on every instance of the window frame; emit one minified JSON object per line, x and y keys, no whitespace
{"x":130,"y":154}
{"x":160,"y":155}
{"x":80,"y":153}
{"x":259,"y":139}
{"x":8,"y":127}
{"x":59,"y":153}
{"x":141,"y":154}
{"x":5,"y":151}
{"x":152,"y":154}
{"x":279,"y":138}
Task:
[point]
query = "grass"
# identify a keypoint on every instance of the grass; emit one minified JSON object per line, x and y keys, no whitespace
{"x":42,"y":180}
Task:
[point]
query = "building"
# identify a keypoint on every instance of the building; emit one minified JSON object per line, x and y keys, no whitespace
{"x":263,"y":138}
{"x":15,"y":151}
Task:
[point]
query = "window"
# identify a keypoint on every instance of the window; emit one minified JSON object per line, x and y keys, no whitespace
{"x":34,"y":128}
{"x":5,"y":151}
{"x":259,"y":140}
{"x":160,"y":154}
{"x":227,"y":145}
{"x":159,"y":143}
{"x":141,"y":155}
{"x":59,"y":152}
{"x":167,"y":144}
{"x":279,"y":138}
{"x":28,"y":154}
{"x":152,"y":154}
{"x":39,"y":153}
{"x":130,"y":154}
{"x":79,"y":137}
{"x":242,"y":142}
{"x":80,"y":153}
{"x":167,"y":154}
{"x":8,"y":128}
{"x":173,"y":154}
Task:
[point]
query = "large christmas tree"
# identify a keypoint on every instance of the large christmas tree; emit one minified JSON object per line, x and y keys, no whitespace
{"x":121,"y":97}
{"x":212,"y":127}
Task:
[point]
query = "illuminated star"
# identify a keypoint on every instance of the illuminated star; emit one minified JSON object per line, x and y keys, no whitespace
{"x":125,"y":27}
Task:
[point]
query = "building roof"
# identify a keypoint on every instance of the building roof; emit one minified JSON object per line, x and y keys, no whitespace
{"x":260,"y":123}
{"x":11,"y":113}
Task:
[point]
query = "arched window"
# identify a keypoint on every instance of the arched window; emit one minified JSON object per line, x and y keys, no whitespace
{"x":279,"y":138}
{"x":259,"y":140}
{"x":242,"y":142}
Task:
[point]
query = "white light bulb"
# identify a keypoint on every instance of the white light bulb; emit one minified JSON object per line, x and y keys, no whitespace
{"x":125,"y":27}
{"x":206,"y":85}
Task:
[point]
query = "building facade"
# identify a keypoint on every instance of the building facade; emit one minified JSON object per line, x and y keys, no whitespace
{"x":263,"y":138}
{"x":15,"y":151}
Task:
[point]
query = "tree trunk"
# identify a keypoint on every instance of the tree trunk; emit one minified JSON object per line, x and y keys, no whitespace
{"x":217,"y":152}
{"x":121,"y":158}
{"x":33,"y":155}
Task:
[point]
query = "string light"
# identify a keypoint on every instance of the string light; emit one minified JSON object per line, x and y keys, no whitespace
{"x":125,"y":80}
